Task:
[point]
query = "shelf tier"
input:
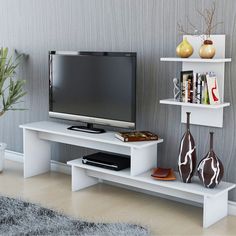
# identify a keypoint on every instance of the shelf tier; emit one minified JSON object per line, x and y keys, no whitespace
{"x":178,"y":59}
{"x":53,"y":128}
{"x":214,"y":201}
{"x":146,"y":180}
{"x":171,"y":101}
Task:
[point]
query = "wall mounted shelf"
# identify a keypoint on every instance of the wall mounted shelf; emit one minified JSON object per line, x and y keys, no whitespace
{"x":202,"y":114}
{"x":177,"y":59}
{"x":172,"y":101}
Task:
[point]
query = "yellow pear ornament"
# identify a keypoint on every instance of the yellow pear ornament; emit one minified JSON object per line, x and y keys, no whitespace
{"x":184,"y":49}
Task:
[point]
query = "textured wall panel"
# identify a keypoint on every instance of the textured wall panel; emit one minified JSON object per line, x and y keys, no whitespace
{"x":146,"y":26}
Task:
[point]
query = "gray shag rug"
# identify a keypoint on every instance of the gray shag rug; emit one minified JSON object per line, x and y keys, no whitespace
{"x":23,"y":218}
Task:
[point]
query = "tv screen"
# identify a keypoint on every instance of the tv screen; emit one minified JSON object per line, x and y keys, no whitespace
{"x":94,"y":87}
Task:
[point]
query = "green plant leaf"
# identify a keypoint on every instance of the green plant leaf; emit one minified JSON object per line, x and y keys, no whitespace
{"x":15,"y":89}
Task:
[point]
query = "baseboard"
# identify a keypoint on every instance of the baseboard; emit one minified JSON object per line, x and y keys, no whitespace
{"x":232,"y":208}
{"x":55,"y":165}
{"x":63,"y":168}
{"x":60,"y":167}
{"x":14,"y":156}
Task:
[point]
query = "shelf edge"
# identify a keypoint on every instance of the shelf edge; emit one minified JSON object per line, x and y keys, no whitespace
{"x":176,"y":103}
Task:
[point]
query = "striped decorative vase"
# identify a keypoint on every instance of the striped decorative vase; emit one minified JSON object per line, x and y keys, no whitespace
{"x":210,"y":169}
{"x":187,"y":155}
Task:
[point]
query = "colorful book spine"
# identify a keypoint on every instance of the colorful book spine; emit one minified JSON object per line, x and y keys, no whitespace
{"x":190,"y":89}
{"x":213,"y":89}
{"x":194,"y":99}
{"x":205,"y":96}
{"x":199,"y":88}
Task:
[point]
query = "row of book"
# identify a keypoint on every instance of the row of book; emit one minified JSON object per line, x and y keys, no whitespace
{"x":200,"y":88}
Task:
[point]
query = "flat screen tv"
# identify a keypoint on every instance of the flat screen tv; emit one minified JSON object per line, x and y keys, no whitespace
{"x":93,"y":87}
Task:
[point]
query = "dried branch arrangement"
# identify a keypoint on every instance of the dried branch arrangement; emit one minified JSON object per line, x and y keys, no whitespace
{"x":209,"y":23}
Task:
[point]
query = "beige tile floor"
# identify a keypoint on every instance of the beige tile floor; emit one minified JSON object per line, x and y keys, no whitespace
{"x":104,"y":203}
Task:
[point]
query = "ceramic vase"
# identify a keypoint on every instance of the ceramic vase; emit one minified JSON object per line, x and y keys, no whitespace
{"x":210,"y":169}
{"x":187,"y":155}
{"x":2,"y":155}
{"x":207,"y":50}
{"x":184,"y":49}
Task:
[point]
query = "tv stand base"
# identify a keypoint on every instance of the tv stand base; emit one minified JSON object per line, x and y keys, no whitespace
{"x":88,"y":129}
{"x":143,"y":158}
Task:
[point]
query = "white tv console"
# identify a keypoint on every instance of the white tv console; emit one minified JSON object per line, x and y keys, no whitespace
{"x":37,"y":156}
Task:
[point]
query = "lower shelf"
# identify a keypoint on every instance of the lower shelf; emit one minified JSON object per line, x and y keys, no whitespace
{"x":214,"y":201}
{"x":145,"y":181}
{"x":171,"y":101}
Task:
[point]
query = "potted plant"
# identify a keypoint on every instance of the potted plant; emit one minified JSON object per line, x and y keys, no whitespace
{"x":11,"y":89}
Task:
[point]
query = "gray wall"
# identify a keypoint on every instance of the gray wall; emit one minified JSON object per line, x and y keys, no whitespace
{"x":145,"y":26}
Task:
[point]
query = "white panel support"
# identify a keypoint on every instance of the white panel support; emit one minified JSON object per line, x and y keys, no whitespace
{"x":214,"y":209}
{"x":37,"y":154}
{"x":143,"y":159}
{"x":201,"y":116}
{"x":81,"y":180}
{"x":218,"y":40}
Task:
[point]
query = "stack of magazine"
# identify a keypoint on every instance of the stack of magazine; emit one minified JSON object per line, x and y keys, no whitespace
{"x":200,"y":88}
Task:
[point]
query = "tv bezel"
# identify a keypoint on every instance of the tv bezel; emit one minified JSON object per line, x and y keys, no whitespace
{"x":89,"y":119}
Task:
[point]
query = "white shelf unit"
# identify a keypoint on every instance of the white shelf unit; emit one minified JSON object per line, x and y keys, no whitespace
{"x":201,"y":114}
{"x":37,"y":152}
{"x":37,"y":139}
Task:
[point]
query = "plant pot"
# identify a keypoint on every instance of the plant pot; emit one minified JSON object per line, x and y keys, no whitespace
{"x":2,"y":155}
{"x":184,"y":49}
{"x":207,"y":50}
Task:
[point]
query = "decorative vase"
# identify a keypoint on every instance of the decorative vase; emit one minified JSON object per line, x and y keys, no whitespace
{"x":187,"y":155}
{"x":207,"y":50}
{"x":184,"y":49}
{"x":2,"y":155}
{"x":210,"y":169}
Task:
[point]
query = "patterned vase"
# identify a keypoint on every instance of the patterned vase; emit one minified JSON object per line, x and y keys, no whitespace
{"x":210,"y":169}
{"x":187,"y":155}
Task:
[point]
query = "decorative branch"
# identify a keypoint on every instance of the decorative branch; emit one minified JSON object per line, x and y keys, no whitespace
{"x":208,"y":17}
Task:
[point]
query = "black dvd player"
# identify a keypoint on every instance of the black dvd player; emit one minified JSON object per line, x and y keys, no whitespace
{"x":107,"y":161}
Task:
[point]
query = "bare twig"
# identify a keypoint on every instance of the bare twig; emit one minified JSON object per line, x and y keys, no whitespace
{"x":181,"y":29}
{"x":208,"y":18}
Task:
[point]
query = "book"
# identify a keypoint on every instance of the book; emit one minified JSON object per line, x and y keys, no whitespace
{"x":136,"y":136}
{"x":205,"y":95}
{"x":194,"y":96}
{"x":199,"y":88}
{"x":213,"y":89}
{"x":185,"y":80}
{"x":190,"y":89}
